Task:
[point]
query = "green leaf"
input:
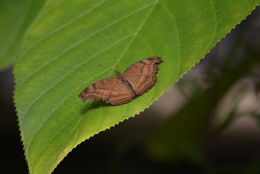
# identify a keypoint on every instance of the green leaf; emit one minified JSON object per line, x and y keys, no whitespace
{"x":73,"y":43}
{"x":15,"y":17}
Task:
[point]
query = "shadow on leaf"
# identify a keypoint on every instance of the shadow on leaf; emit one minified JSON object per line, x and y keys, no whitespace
{"x":93,"y":105}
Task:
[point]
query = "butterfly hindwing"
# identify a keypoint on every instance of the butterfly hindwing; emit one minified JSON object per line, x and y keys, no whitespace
{"x":111,"y":90}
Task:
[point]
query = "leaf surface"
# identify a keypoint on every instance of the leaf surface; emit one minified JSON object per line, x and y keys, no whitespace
{"x":15,"y":17}
{"x":73,"y":43}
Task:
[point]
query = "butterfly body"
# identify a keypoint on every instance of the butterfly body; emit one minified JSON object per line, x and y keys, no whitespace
{"x":136,"y":79}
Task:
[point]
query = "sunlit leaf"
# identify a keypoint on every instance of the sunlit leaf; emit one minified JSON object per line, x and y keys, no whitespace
{"x":73,"y":43}
{"x":15,"y":17}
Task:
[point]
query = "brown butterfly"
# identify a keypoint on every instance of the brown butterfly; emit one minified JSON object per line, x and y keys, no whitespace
{"x":137,"y":79}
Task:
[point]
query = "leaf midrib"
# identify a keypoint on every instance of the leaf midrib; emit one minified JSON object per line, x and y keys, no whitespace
{"x":69,"y":48}
{"x":119,"y":59}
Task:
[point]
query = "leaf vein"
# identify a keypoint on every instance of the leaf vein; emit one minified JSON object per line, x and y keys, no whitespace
{"x":54,"y":31}
{"x":70,"y":72}
{"x":83,"y":40}
{"x":59,"y":130}
{"x":171,"y":15}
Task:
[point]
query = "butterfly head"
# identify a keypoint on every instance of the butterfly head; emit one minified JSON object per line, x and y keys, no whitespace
{"x":155,"y":59}
{"x":82,"y":95}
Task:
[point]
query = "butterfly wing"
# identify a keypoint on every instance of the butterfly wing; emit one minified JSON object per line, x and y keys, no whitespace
{"x":120,"y":94}
{"x":142,"y":75}
{"x":111,"y":90}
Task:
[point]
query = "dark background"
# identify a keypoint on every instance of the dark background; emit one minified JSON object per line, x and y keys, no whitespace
{"x":207,"y":123}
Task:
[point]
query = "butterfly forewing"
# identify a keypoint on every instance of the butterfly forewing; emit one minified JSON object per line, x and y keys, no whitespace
{"x":142,"y":75}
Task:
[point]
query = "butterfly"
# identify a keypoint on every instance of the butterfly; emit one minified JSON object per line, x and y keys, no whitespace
{"x":136,"y":80}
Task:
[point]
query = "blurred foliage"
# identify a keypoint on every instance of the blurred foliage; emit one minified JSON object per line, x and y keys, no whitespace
{"x":15,"y":17}
{"x":186,"y":134}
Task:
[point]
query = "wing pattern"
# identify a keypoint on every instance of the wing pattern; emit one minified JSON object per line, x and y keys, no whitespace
{"x":142,"y":75}
{"x":137,"y":79}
